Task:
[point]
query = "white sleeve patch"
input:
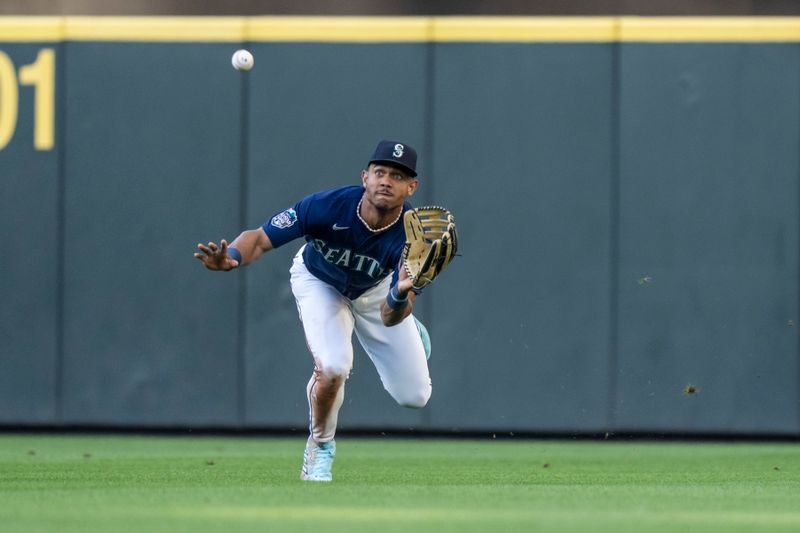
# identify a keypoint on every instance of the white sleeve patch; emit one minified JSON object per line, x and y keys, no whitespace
{"x":284,"y":219}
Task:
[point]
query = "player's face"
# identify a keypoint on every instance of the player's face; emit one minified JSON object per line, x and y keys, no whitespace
{"x":387,"y":187}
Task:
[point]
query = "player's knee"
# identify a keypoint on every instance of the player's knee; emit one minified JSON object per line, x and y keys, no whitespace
{"x":416,"y":399}
{"x":333,"y":372}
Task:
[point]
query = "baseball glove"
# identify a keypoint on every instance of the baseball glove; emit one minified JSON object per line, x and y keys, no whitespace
{"x":431,"y":243}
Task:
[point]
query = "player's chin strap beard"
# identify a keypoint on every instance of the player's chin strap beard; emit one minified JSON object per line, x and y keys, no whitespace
{"x":389,"y":225}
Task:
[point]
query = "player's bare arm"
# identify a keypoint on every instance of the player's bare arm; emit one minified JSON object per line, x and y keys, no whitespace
{"x":251,"y":244}
{"x":393,"y":316}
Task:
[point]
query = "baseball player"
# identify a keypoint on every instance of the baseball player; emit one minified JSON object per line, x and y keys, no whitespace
{"x":346,"y":278}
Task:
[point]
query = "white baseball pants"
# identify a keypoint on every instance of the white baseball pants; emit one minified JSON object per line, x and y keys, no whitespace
{"x":329,"y":320}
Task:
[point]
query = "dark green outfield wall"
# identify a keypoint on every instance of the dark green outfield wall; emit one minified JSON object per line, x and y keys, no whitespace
{"x":628,"y":218}
{"x":708,"y":208}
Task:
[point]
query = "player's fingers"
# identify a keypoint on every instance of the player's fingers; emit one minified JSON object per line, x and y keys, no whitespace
{"x":203,"y":248}
{"x":223,"y":247}
{"x":212,"y":246}
{"x":205,"y":257}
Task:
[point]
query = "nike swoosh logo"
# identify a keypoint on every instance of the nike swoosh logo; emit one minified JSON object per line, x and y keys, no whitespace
{"x":337,"y":228}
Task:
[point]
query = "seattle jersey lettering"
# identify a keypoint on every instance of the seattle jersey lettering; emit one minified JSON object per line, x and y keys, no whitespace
{"x":344,"y":257}
{"x":340,"y":249}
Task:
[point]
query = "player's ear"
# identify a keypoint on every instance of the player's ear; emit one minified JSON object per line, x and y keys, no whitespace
{"x":412,"y":187}
{"x":364,"y":175}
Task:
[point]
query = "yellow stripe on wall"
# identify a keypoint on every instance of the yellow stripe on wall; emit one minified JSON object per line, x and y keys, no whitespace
{"x":341,"y":29}
{"x":525,"y":29}
{"x":170,"y":29}
{"x":401,"y":29}
{"x":710,"y":29}
{"x":31,"y":29}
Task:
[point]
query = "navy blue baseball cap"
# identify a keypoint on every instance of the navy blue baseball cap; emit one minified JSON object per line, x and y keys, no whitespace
{"x":396,"y":154}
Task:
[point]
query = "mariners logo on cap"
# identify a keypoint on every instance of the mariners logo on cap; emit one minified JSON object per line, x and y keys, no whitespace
{"x":397,"y":154}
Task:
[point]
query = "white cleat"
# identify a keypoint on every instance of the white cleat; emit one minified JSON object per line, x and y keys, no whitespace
{"x":318,"y":461}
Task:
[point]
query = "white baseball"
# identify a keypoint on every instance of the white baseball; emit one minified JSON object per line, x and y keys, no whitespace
{"x":242,"y":60}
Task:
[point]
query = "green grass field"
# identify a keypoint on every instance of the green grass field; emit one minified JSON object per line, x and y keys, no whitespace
{"x":134,"y":483}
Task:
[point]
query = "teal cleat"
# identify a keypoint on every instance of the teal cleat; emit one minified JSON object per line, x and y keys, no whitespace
{"x":426,"y":339}
{"x":318,"y":461}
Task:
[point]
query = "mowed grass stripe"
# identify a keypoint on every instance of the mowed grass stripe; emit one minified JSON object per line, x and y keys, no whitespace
{"x":87,"y":483}
{"x":426,"y":515}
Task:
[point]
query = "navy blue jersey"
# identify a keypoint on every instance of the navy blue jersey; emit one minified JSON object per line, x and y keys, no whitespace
{"x":341,"y":250}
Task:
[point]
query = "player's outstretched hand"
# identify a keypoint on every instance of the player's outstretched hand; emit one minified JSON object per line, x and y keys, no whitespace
{"x":216,"y":257}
